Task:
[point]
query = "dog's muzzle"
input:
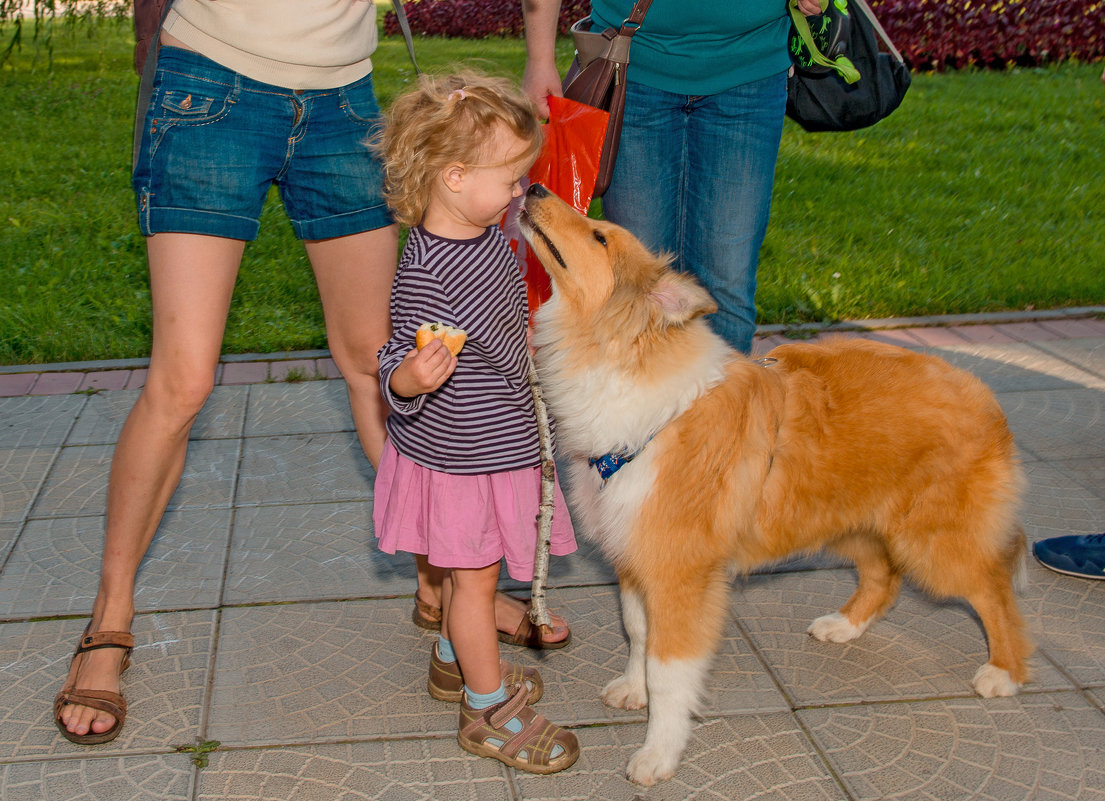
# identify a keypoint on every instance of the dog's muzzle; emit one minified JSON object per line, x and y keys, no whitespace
{"x":538,"y":191}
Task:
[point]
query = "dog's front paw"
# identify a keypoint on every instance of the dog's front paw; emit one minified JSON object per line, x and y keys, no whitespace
{"x":650,"y":765}
{"x":625,"y":693}
{"x":835,"y":628}
{"x":990,"y":681}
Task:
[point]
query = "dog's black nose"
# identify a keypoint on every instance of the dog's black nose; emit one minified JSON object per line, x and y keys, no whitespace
{"x":537,"y":190}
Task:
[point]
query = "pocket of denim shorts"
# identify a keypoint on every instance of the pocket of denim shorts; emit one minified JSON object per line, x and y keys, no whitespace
{"x":188,"y":102}
{"x":186,"y":105}
{"x":358,"y":101}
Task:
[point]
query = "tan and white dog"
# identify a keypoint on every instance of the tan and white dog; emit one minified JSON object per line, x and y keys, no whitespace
{"x":687,"y":461}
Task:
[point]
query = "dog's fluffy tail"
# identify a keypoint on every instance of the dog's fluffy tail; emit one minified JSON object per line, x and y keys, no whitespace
{"x":1018,"y":559}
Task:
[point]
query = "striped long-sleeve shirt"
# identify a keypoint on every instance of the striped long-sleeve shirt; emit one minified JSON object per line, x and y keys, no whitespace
{"x":481,"y":420}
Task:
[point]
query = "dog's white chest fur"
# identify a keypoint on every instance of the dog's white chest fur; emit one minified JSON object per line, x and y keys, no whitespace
{"x":602,"y":410}
{"x":607,"y":510}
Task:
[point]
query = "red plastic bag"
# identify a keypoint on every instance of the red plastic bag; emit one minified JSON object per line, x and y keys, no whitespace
{"x":567,"y":166}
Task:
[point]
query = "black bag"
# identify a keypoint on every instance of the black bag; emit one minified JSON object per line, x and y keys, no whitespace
{"x":597,"y":78}
{"x":821,"y":99}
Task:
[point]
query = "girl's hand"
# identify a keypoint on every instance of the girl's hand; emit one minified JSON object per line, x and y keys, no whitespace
{"x":423,"y":371}
{"x":809,"y":7}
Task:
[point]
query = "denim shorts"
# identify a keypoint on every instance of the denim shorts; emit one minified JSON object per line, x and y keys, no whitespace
{"x":214,"y":141}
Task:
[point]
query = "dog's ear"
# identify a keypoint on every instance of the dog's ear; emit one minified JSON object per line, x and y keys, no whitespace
{"x":680,"y":297}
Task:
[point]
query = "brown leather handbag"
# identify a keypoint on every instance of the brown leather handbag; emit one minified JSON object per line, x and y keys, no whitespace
{"x":597,"y":78}
{"x":148,"y":16}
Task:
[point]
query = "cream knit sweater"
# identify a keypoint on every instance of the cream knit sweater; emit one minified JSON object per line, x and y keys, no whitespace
{"x":296,"y":44}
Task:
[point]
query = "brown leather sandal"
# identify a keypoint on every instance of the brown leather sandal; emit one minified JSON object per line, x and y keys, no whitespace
{"x":483,"y":732}
{"x":529,"y":635}
{"x":447,"y":684}
{"x":428,"y":617}
{"x":105,"y":701}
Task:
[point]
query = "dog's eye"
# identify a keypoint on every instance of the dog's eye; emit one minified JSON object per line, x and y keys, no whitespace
{"x":600,"y":238}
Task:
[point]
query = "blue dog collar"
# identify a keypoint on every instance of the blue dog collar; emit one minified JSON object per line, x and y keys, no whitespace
{"x":610,"y":463}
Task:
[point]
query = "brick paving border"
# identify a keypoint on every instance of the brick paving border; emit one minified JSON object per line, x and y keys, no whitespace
{"x":257,"y":368}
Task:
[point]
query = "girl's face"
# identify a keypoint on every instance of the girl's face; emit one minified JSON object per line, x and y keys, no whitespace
{"x":478,"y":196}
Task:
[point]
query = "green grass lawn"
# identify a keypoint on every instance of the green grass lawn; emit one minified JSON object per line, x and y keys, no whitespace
{"x":984,"y":192}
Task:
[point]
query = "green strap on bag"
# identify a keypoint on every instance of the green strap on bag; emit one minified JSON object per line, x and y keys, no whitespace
{"x":841,"y":64}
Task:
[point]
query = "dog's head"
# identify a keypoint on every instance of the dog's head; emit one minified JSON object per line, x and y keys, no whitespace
{"x":603,"y":277}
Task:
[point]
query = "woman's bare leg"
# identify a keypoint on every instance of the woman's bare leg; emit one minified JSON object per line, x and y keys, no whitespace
{"x":354,"y":275}
{"x":191,"y":280}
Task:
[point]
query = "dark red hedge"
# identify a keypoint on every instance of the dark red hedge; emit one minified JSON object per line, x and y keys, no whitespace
{"x":931,"y":34}
{"x":941,"y":34}
{"x":476,"y":19}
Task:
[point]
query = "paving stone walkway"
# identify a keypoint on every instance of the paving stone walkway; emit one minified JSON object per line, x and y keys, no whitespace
{"x":269,"y":623}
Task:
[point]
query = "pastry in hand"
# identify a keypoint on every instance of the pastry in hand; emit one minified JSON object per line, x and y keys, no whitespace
{"x":452,"y":338}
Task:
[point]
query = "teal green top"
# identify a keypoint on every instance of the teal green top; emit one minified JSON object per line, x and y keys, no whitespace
{"x":702,"y":47}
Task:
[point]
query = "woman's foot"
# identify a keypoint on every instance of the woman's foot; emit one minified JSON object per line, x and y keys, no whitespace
{"x":511,"y":620}
{"x":90,"y":708}
{"x":515,"y":628}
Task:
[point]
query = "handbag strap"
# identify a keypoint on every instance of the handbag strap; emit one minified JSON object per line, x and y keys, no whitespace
{"x":867,"y":12}
{"x":405,"y":27}
{"x":631,"y":23}
{"x":637,"y":14}
{"x":145,"y":86}
{"x":618,"y":49}
{"x":841,"y":64}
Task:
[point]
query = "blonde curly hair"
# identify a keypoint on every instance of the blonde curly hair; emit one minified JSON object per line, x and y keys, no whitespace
{"x":446,"y":119}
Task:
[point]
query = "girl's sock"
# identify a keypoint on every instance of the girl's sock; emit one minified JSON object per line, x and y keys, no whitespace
{"x":478,"y":701}
{"x":483,"y":701}
{"x":445,"y":650}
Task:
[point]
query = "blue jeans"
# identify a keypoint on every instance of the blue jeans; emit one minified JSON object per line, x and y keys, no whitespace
{"x":694,"y":178}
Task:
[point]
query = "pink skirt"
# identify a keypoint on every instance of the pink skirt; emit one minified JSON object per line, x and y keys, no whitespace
{"x":467,"y":521}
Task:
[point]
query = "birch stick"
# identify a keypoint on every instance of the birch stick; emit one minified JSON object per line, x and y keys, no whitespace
{"x":539,"y":610}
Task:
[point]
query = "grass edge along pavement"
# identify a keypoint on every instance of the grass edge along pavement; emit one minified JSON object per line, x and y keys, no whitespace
{"x":296,"y":366}
{"x":978,"y":195}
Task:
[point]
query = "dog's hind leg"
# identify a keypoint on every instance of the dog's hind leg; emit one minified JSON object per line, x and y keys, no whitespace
{"x":1007,"y":669}
{"x":628,"y":691}
{"x":992,"y":597}
{"x":985,"y":581}
{"x":876,"y":591}
{"x":685,"y":615}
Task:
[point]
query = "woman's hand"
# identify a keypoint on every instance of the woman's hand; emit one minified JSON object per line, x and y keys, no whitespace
{"x":809,"y":7}
{"x":423,"y":371}
{"x":541,"y":78}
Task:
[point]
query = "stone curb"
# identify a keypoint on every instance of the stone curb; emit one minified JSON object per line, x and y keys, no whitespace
{"x":763,"y":331}
{"x":289,"y":366}
{"x":141,"y":363}
{"x":940,"y":321}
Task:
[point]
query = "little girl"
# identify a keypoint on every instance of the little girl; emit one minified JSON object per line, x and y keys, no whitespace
{"x":459,"y":480}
